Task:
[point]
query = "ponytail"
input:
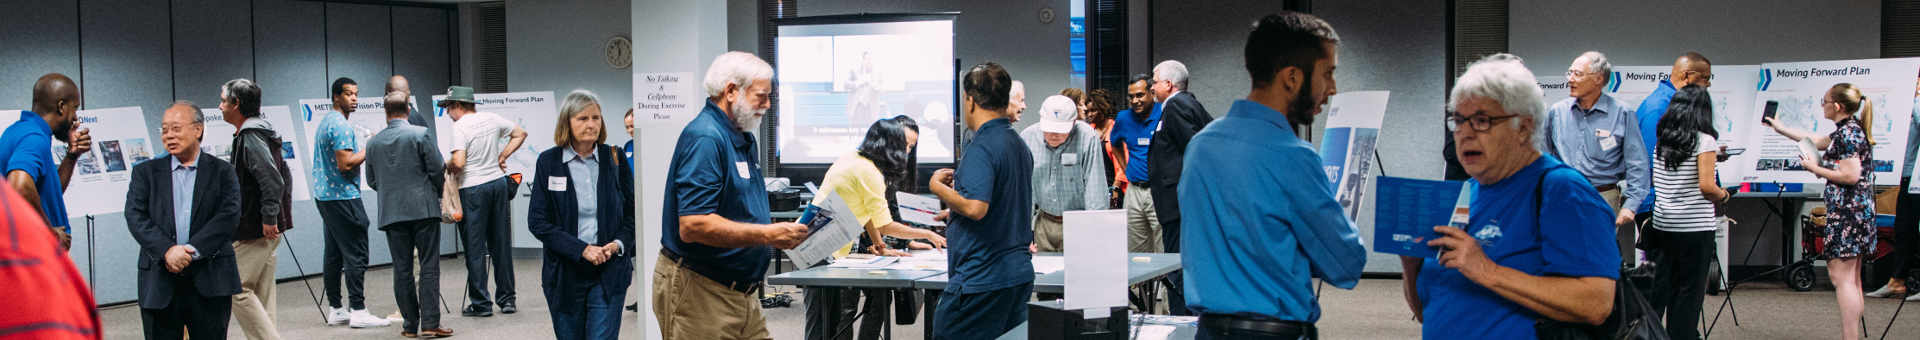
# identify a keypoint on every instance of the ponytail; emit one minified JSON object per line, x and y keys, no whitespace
{"x":1852,"y":101}
{"x":1865,"y":115}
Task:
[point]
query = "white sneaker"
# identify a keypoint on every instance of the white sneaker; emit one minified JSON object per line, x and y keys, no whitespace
{"x":338,"y":316}
{"x":1913,"y":298}
{"x":362,"y":319}
{"x":1885,"y":291}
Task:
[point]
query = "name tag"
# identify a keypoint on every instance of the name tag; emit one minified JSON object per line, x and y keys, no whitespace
{"x":1607,"y":142}
{"x":1156,"y":126}
{"x":1143,"y":141}
{"x":1069,"y":159}
{"x":556,"y":183}
{"x":741,"y":167}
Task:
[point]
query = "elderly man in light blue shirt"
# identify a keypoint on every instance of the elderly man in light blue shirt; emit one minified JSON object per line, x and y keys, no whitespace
{"x":1600,"y":136}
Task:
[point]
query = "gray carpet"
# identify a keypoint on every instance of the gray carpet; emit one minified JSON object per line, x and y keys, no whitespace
{"x":1374,"y":310}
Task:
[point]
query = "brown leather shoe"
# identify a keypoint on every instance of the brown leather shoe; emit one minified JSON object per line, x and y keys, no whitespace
{"x":409,"y":335}
{"x":441,"y":332}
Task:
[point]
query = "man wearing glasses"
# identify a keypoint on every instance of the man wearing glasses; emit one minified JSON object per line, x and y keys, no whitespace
{"x":1600,"y":136}
{"x":1690,"y":69}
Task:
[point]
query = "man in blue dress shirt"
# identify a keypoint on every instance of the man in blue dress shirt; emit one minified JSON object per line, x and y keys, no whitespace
{"x":990,"y":202}
{"x":1259,"y":231}
{"x":1599,"y":136}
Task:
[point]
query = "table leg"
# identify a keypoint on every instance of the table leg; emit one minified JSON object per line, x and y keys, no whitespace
{"x":927,"y":310}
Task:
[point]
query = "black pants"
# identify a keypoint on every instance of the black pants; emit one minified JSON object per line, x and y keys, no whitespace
{"x":830,"y":312}
{"x":1208,"y":333}
{"x":346,"y":251}
{"x":419,"y":304}
{"x":1176,"y":293}
{"x":487,"y":232}
{"x":1906,"y":233}
{"x":1680,"y":279}
{"x":205,"y":317}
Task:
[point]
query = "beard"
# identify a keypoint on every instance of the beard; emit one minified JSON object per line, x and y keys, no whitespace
{"x":1300,"y":111}
{"x":745,"y":117}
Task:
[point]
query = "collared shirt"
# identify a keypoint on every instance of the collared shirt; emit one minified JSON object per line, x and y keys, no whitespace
{"x":1259,"y":230}
{"x":716,"y":170}
{"x":1136,"y":137}
{"x":482,"y":135}
{"x":329,"y":183}
{"x":1565,"y":233}
{"x":1067,"y":177}
{"x":584,"y":169}
{"x":29,"y":147}
{"x":991,"y":253}
{"x":1913,"y":138}
{"x":1603,"y":143}
{"x":1650,"y":111}
{"x":183,"y":175}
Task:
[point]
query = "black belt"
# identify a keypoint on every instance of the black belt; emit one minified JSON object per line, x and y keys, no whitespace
{"x":1258,"y":325}
{"x":744,"y":287}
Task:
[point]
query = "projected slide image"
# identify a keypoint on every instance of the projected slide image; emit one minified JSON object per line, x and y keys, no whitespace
{"x":836,"y":80}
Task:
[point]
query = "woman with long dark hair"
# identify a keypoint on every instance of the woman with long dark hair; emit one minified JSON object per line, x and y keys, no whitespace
{"x":1683,"y":216}
{"x":1849,"y":193}
{"x":866,"y":180}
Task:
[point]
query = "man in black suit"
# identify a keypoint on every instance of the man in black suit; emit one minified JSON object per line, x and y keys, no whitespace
{"x":1181,"y":116}
{"x":182,"y":209}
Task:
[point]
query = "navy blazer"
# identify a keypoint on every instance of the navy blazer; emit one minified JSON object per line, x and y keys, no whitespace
{"x":552,"y":217}
{"x":1181,"y":117}
{"x":216,"y":211}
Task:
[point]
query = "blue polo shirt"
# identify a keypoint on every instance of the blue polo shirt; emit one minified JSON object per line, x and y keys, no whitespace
{"x":1135,"y":136}
{"x":1651,"y":109}
{"x":1257,"y":232}
{"x":30,"y":149}
{"x":991,"y":253}
{"x":1568,"y":233}
{"x":716,"y":171}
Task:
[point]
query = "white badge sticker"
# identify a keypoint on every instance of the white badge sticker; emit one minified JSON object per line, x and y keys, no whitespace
{"x":556,"y":183}
{"x":741,"y":167}
{"x":1607,"y":142}
{"x":1069,"y":159}
{"x":1143,"y":141}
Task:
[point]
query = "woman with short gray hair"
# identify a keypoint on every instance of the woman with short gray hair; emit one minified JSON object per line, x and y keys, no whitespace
{"x":581,"y":192}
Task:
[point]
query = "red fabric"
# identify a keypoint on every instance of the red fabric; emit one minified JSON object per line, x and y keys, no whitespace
{"x":42,"y":295}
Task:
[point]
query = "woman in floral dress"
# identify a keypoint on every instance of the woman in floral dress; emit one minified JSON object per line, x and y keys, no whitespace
{"x":1849,"y":193}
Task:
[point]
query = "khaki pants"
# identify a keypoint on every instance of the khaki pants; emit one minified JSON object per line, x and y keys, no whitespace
{"x":690,"y":306}
{"x":254,"y":306}
{"x":1623,"y":236}
{"x":1047,"y":237}
{"x":1143,"y":225}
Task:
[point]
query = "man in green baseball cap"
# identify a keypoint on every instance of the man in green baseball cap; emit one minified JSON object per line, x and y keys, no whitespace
{"x":482,"y":143}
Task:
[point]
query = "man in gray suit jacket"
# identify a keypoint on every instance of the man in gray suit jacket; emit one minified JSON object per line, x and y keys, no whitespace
{"x":404,"y":165}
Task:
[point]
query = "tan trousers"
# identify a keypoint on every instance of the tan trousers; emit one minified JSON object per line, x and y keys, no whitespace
{"x":254,"y":306}
{"x":1047,"y":234}
{"x":1143,"y":225}
{"x":1623,"y":236}
{"x":690,"y":306}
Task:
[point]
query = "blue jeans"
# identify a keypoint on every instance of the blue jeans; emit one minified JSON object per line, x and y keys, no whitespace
{"x":592,"y":315}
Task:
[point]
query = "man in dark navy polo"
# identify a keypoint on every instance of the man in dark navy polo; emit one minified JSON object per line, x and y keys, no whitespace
{"x":715,"y":243}
{"x":989,"y":267}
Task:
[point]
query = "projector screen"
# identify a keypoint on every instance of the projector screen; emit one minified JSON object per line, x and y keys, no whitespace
{"x":836,"y":77}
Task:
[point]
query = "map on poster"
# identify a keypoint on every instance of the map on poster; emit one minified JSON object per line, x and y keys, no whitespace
{"x":116,"y":148}
{"x":1353,"y":127}
{"x":1799,"y":89}
{"x":369,"y":117}
{"x":533,"y":111}
{"x":1732,"y":89}
{"x":219,"y":142}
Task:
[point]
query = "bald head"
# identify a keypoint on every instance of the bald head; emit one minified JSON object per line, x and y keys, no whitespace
{"x":398,"y":83}
{"x":396,"y":104}
{"x":57,"y":99}
{"x":1692,"y":68}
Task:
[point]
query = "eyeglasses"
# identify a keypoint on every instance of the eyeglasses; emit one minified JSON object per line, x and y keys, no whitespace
{"x":1480,"y":123}
{"x":1576,"y":74}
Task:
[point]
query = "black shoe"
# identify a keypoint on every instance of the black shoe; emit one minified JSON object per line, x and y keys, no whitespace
{"x":508,"y":308}
{"x":476,"y":311}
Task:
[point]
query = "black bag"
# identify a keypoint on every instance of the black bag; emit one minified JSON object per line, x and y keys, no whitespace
{"x":1632,"y":317}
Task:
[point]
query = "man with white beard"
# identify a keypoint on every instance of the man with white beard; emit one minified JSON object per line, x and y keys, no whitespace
{"x":717,"y":225}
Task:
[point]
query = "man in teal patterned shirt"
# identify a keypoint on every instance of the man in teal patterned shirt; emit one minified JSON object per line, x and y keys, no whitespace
{"x":336,"y":192}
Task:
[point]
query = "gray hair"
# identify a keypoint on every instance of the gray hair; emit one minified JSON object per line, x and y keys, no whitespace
{"x":1174,"y":71}
{"x":1503,"y":78}
{"x":735,"y":68}
{"x":1016,"y":87}
{"x":575,"y":102}
{"x":198,"y":116}
{"x":244,"y":94}
{"x":1596,"y":62}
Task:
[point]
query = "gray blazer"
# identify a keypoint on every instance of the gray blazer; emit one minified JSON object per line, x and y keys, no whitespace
{"x":404,"y":165}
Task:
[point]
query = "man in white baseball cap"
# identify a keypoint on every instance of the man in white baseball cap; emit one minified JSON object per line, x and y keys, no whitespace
{"x":1067,"y":174}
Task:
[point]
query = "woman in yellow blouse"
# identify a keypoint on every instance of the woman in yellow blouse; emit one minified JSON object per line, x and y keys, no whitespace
{"x":863,"y":178}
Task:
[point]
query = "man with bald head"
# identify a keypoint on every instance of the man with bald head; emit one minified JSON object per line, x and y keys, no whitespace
{"x":398,"y":83}
{"x":1690,"y":69}
{"x":28,"y":154}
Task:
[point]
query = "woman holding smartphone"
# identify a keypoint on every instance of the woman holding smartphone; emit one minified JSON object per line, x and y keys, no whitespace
{"x":1846,"y":167}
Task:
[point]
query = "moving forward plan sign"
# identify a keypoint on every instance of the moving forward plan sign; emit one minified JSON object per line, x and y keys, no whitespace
{"x":1800,"y":89}
{"x":369,"y":116}
{"x":535,"y":112}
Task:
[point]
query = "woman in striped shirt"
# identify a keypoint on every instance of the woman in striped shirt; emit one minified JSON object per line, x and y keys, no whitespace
{"x":1683,"y":216}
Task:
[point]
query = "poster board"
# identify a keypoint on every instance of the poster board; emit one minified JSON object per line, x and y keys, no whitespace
{"x":369,"y":117}
{"x":535,"y":112}
{"x":219,"y":142}
{"x":1732,"y":90}
{"x":1352,"y":130}
{"x":105,"y":169}
{"x":1799,"y":87}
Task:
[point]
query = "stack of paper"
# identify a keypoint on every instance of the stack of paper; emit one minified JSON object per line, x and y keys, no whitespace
{"x":1048,"y":264}
{"x":863,"y":262}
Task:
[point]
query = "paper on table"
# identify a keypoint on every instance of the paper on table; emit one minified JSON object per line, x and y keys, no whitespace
{"x":864,"y":262}
{"x":1099,"y":253}
{"x":1153,"y":332}
{"x":1049,"y":264}
{"x":918,"y":209}
{"x":832,"y":226}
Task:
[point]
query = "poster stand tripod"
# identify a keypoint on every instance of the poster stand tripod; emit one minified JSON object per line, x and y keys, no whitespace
{"x":305,"y":280}
{"x":90,"y":263}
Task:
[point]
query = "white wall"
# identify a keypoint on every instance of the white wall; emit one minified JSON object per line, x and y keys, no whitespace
{"x":559,"y":46}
